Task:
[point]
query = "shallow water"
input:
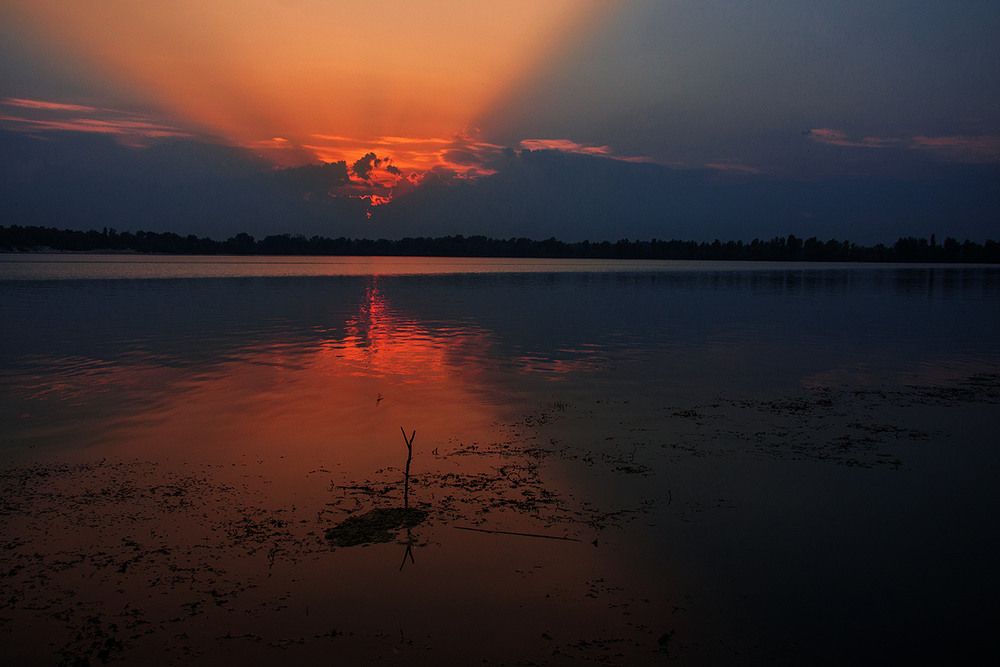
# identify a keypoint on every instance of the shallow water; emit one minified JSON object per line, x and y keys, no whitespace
{"x":706,"y":462}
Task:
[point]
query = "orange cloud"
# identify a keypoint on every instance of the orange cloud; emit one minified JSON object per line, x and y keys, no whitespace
{"x":961,"y":148}
{"x":47,"y":106}
{"x":409,"y":154}
{"x":833,"y":137}
{"x":732,"y":167}
{"x":567,"y":146}
{"x":956,"y":148}
{"x":396,"y":165}
{"x":39,"y":115}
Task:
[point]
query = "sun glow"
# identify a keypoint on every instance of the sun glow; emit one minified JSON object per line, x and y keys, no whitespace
{"x":305,"y":81}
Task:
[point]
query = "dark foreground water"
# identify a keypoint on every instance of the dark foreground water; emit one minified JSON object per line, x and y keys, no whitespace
{"x":619,"y":463}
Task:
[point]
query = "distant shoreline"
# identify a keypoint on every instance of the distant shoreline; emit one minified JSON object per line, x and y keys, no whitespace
{"x":786,"y":249}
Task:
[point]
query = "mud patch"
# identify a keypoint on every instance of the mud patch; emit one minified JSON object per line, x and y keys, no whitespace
{"x":129,"y":560}
{"x":381,"y":524}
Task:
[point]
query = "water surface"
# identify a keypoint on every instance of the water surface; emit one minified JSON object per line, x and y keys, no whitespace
{"x":771,"y":462}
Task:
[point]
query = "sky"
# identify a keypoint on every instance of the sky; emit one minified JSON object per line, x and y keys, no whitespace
{"x":693,"y":119}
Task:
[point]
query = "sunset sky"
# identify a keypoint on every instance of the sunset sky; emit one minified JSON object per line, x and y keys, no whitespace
{"x":754,"y":95}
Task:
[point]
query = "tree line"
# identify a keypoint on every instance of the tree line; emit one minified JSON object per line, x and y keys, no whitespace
{"x":791,"y":248}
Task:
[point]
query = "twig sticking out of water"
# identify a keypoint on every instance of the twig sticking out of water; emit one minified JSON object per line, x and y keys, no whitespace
{"x":409,"y":457}
{"x":406,"y":494}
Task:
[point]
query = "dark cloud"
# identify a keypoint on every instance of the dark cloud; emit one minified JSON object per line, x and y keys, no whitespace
{"x":462,"y":157}
{"x":85,"y":181}
{"x":364,"y":166}
{"x":314,"y":179}
{"x":573,"y":197}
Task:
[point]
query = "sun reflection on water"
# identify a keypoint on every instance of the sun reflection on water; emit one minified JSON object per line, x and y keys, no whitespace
{"x":337,"y":393}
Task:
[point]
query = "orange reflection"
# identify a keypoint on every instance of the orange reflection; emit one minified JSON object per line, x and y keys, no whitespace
{"x":338,"y":400}
{"x":342,"y":396}
{"x":381,"y":344}
{"x":229,"y":471}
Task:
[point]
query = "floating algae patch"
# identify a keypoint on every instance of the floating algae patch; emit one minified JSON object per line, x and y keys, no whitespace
{"x":379,"y":525}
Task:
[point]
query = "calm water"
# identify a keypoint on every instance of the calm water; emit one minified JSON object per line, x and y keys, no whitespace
{"x":776,"y":462}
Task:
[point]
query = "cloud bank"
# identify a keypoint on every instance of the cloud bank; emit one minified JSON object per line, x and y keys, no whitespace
{"x":85,"y":180}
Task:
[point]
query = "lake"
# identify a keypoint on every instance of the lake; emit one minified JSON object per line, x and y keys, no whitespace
{"x":496,"y":461}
